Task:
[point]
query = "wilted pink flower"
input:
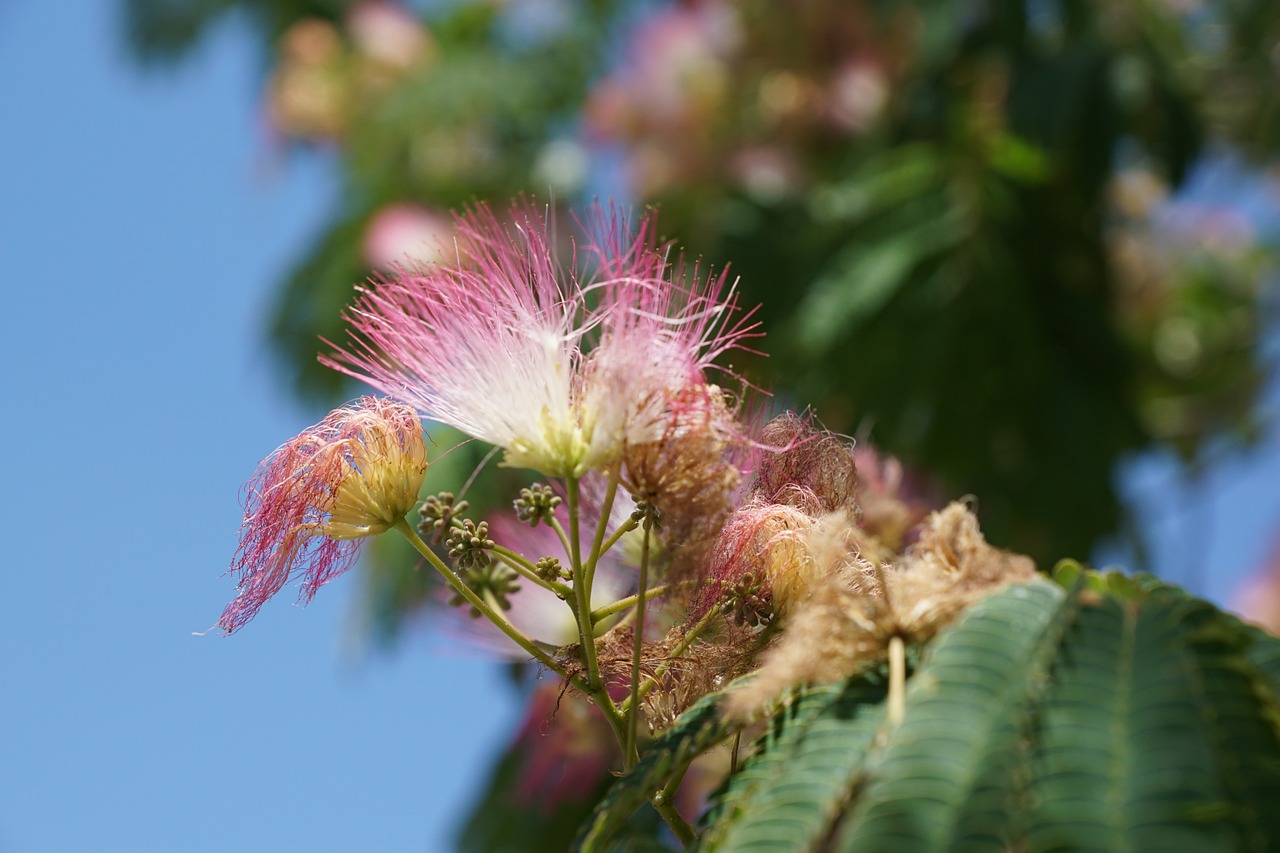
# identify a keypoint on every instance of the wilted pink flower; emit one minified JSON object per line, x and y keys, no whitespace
{"x":559,"y":365}
{"x":893,"y":499}
{"x":763,"y":543}
{"x":352,"y":475}
{"x":804,"y":466}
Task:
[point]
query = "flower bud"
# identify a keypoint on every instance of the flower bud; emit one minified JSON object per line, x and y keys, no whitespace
{"x":354,"y":474}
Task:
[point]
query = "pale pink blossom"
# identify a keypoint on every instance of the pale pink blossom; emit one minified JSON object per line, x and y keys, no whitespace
{"x":388,"y":33}
{"x":354,"y":474}
{"x":857,"y":96}
{"x":767,"y":173}
{"x":674,"y":74}
{"x":560,"y":364}
{"x":1257,"y":598}
{"x":401,"y":234}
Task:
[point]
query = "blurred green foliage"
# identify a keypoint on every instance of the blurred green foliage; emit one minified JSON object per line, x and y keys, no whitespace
{"x":949,"y":210}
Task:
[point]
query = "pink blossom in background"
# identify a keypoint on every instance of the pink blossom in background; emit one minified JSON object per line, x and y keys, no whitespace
{"x":663,"y":97}
{"x":388,"y":33}
{"x":674,"y":73}
{"x":406,"y":234}
{"x":559,"y":364}
{"x":1217,"y":228}
{"x":1257,"y":600}
{"x":767,"y":173}
{"x":566,"y":749}
{"x":857,"y":96}
{"x":352,"y":475}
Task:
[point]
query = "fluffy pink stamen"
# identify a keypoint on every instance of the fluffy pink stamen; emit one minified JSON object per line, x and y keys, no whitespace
{"x":553,"y":362}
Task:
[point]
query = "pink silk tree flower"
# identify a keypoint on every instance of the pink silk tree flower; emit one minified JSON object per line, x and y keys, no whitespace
{"x":354,"y":474}
{"x":559,"y":365}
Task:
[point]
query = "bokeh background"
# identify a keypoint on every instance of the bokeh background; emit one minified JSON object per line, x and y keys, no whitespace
{"x":1027,"y":247}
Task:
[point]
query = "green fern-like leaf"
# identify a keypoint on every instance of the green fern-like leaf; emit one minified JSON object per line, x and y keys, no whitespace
{"x":1154,"y":736}
{"x":949,"y":776}
{"x":790,"y":792}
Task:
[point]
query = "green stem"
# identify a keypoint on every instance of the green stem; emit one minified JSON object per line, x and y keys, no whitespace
{"x":674,"y":654}
{"x":554,"y":524}
{"x":512,"y":559}
{"x":673,"y":784}
{"x":665,"y":802}
{"x":624,"y":603}
{"x":897,"y":702}
{"x":581,"y":588}
{"x":631,"y":753}
{"x":623,"y":529}
{"x":627,"y":619}
{"x":679,"y":825}
{"x":581,"y":606}
{"x":492,"y":601}
{"x":480,"y":604}
{"x":602,"y":525}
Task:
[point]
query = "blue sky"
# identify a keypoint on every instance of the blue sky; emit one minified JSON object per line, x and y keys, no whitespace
{"x":142,"y":225}
{"x":143,"y":222}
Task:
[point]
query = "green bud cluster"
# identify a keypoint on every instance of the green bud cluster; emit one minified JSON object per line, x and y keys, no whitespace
{"x":469,"y":545}
{"x":647,"y":514}
{"x":536,"y":503}
{"x":550,"y":570}
{"x":495,"y":579}
{"x":438,"y":512}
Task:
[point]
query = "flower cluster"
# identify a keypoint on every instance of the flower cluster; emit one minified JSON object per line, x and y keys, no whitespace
{"x":711,"y":93}
{"x":682,"y":540}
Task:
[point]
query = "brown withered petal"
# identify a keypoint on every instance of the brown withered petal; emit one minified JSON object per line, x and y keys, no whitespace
{"x":811,"y":469}
{"x":688,"y":474}
{"x":676,"y":682}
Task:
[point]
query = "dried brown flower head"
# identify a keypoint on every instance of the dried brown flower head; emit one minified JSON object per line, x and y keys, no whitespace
{"x":856,"y":606}
{"x":689,"y":473}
